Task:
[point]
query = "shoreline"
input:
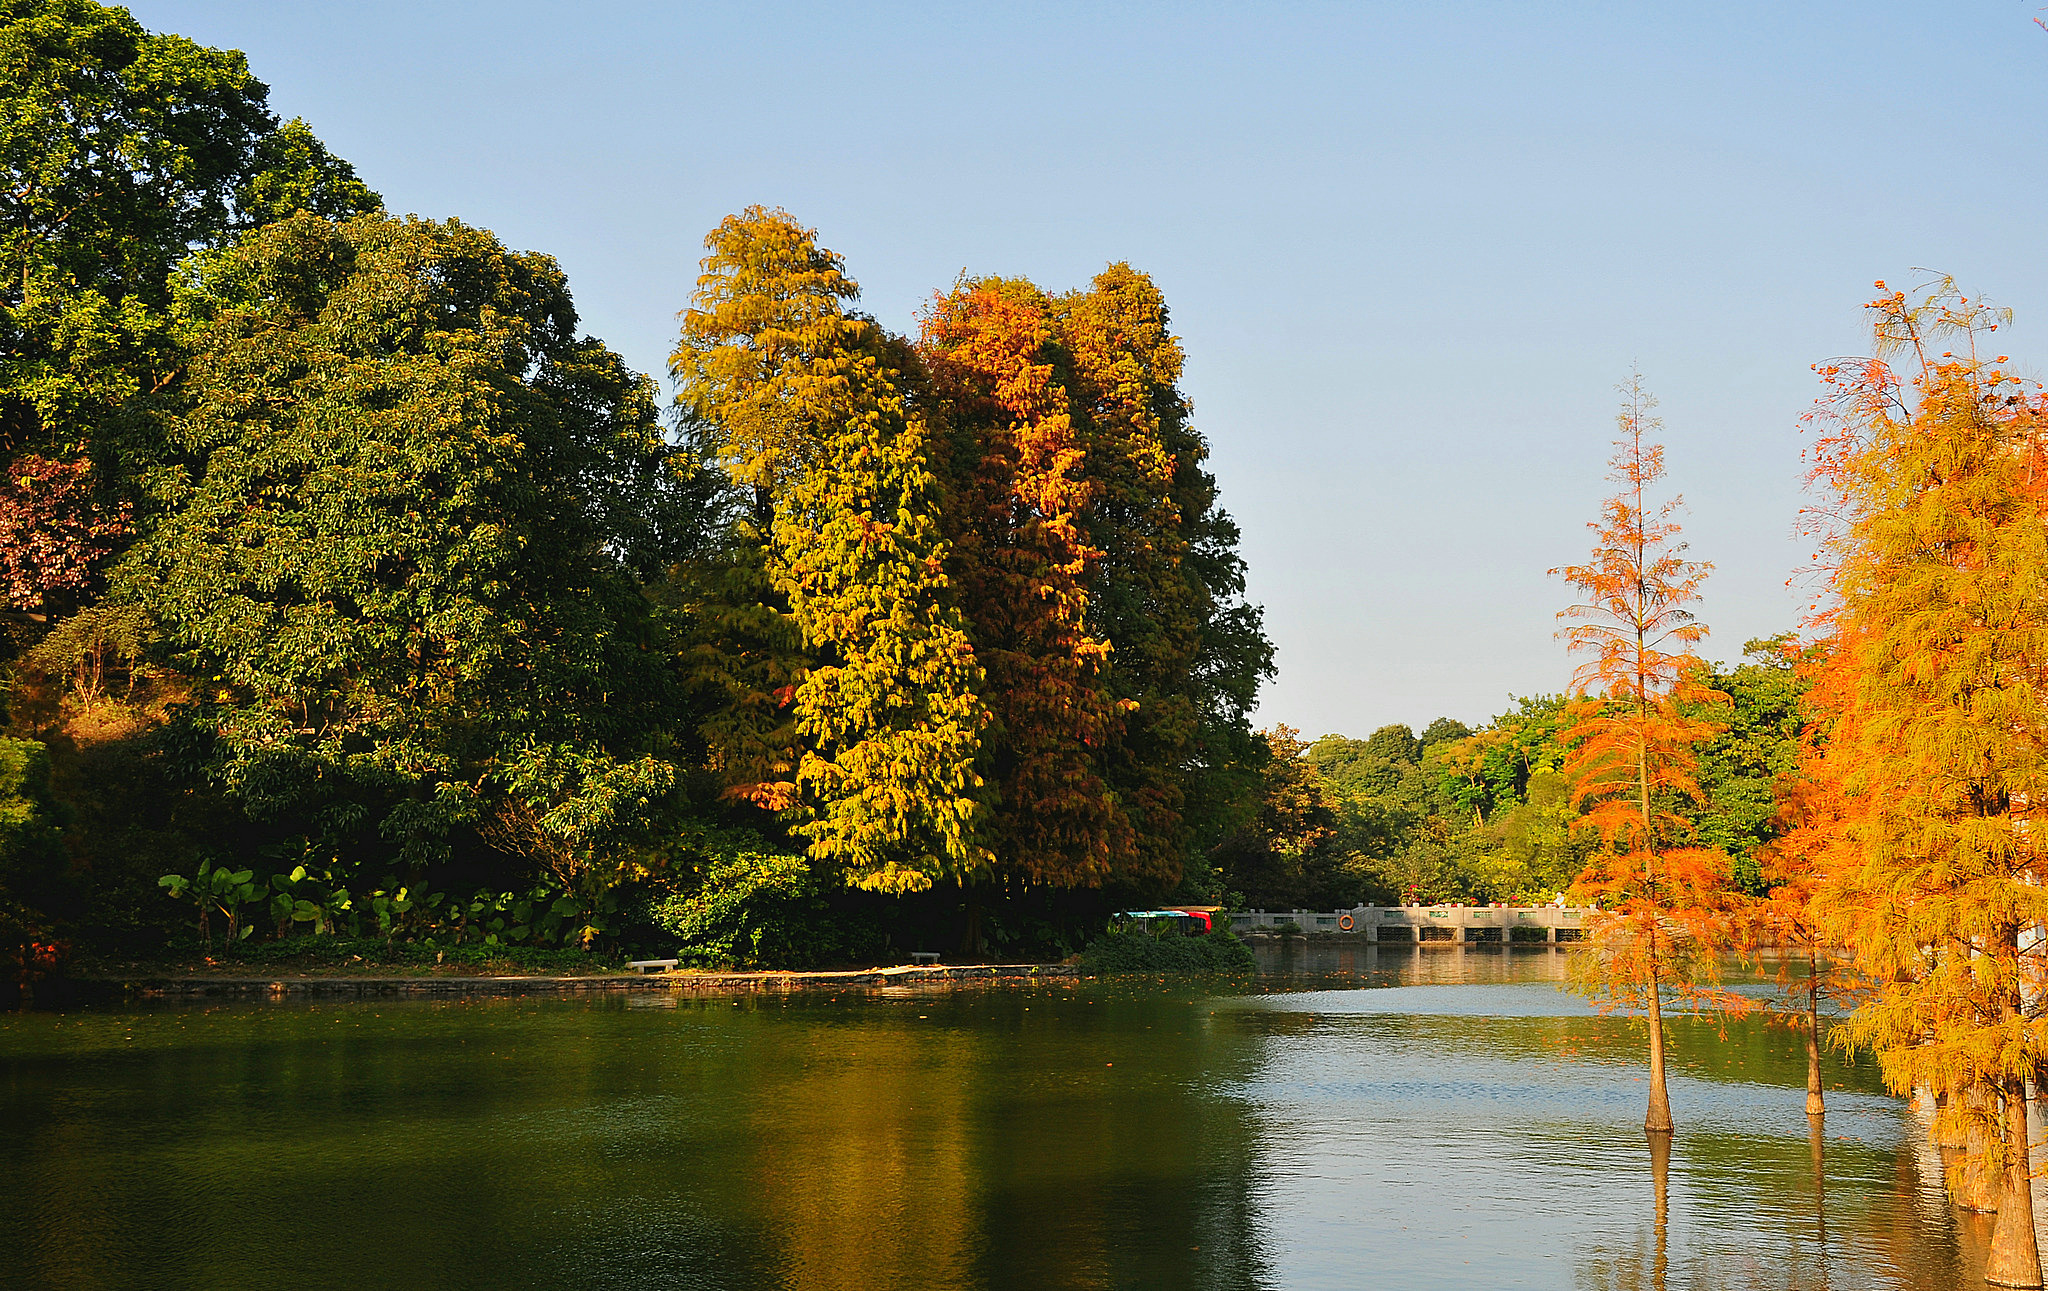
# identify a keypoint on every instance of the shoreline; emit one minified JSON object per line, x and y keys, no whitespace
{"x":512,"y":985}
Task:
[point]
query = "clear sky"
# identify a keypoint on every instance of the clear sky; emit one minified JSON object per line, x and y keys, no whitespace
{"x":1410,"y":247}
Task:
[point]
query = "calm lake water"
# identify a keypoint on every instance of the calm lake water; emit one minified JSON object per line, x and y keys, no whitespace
{"x":1428,"y":1118}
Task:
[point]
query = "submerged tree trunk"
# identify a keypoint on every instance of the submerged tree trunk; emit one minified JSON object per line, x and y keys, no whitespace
{"x":1974,"y":1185}
{"x":1976,"y":1188}
{"x":1658,"y":1119}
{"x":2015,"y":1252}
{"x":1815,"y":1104}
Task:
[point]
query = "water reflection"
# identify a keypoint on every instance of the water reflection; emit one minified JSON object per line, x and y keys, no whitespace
{"x":1040,"y":1139}
{"x":1490,"y":1131}
{"x":1416,"y":964}
{"x":1420,"y":1117}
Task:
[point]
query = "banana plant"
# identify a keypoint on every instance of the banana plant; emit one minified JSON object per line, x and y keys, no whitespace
{"x":304,"y":897}
{"x":217,"y":888}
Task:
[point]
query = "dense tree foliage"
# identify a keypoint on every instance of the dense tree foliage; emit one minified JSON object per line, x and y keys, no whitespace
{"x":806,"y":404}
{"x":1287,"y":855}
{"x":1924,"y":807}
{"x":983,"y":618}
{"x":391,"y":544}
{"x":1457,"y":815}
{"x":1020,"y":487}
{"x":124,"y":151}
{"x":352,"y":590}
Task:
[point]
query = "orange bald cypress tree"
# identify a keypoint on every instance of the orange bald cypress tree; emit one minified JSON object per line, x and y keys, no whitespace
{"x":1938,"y":750}
{"x":1632,"y":751}
{"x":1022,"y":569}
{"x":1795,"y":865}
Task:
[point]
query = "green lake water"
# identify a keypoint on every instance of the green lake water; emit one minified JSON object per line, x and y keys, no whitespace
{"x":1399,"y":1118}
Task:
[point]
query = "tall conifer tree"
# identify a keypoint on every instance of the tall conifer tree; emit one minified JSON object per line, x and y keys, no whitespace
{"x":1019,"y":493}
{"x":806,"y":404}
{"x":1937,"y":749}
{"x":1633,"y":747}
{"x":1187,"y":652}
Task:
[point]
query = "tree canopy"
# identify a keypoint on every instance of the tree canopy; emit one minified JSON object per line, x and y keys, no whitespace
{"x":406,"y":606}
{"x":124,"y":152}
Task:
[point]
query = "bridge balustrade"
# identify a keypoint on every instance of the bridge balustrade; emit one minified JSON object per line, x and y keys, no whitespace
{"x":1459,"y":924}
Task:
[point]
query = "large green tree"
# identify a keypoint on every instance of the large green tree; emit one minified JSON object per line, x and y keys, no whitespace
{"x":123,"y":152}
{"x":391,"y":540}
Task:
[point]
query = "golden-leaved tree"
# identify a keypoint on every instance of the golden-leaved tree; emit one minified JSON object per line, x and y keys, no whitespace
{"x":1937,"y":749}
{"x":1633,"y":736}
{"x":805,"y":403}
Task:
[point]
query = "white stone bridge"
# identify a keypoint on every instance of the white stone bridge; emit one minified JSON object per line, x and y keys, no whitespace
{"x":1412,"y":924}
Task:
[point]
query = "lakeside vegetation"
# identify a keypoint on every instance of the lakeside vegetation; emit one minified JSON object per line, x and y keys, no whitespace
{"x":354,"y":597}
{"x":352,"y":591}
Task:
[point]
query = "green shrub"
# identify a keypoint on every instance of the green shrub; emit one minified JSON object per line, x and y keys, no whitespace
{"x":1137,"y":950}
{"x":759,"y":910}
{"x":35,"y":884}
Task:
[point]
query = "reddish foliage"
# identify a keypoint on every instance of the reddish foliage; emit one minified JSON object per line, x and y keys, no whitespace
{"x":53,"y":530}
{"x":1632,"y":739}
{"x":1022,"y":568}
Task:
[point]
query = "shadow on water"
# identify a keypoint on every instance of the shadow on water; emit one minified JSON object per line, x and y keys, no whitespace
{"x":1416,"y":1117}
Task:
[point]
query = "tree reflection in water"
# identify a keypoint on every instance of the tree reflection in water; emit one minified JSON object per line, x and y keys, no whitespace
{"x":1466,"y":1124}
{"x":1901,"y":1241}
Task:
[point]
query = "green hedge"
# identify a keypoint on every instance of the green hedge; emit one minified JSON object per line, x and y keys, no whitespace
{"x":1138,"y":951}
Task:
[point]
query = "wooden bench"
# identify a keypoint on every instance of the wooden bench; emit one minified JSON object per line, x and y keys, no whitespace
{"x":924,"y":956}
{"x":651,"y":965}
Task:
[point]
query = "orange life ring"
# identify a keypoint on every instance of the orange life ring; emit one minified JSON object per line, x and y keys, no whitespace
{"x":1346,"y":922}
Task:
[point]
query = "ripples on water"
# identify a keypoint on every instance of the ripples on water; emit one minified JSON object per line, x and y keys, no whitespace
{"x":1409,"y":1117}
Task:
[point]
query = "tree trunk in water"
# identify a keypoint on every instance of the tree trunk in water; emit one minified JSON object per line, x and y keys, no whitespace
{"x":1979,"y":1189}
{"x":1659,"y":1119}
{"x":2015,"y":1254}
{"x":1815,"y":1104}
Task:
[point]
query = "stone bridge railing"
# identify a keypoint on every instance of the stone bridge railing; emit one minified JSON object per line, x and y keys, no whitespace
{"x":1410,"y":924}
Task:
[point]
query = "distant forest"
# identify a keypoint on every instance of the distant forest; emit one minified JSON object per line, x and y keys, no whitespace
{"x":1456,"y":814}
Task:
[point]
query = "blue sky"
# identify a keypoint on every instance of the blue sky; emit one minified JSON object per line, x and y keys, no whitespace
{"x":1410,"y":248}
